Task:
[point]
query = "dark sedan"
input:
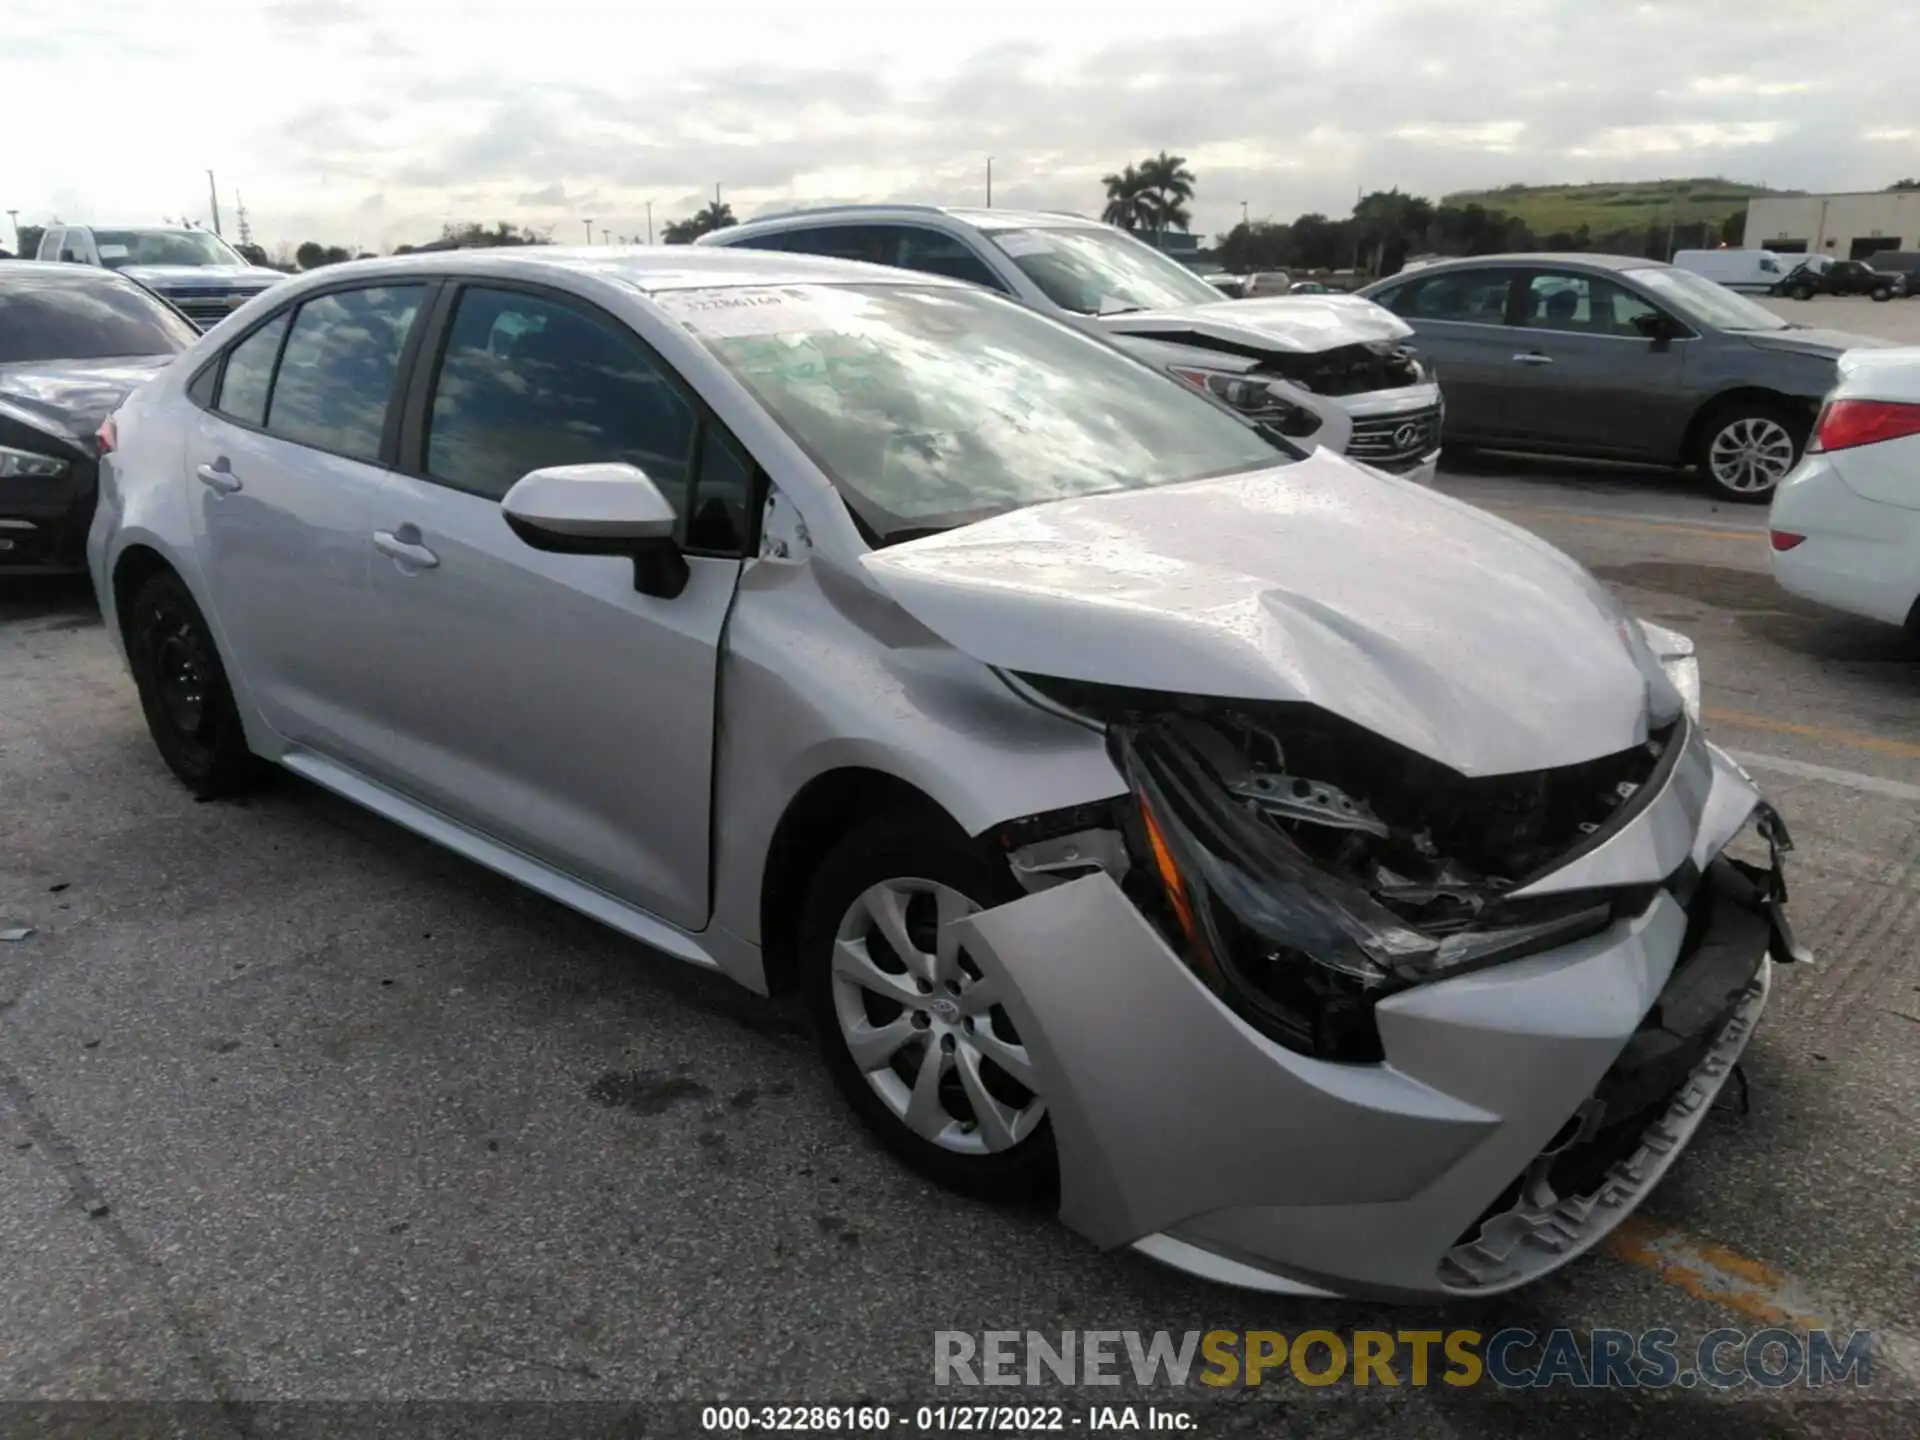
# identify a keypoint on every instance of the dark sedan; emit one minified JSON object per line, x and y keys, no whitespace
{"x":1619,"y":358}
{"x":74,"y":343}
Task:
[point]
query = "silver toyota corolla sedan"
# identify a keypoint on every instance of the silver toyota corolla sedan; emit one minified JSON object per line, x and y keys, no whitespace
{"x":1301,"y":877}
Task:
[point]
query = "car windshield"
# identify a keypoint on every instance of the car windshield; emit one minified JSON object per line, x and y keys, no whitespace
{"x":1097,"y":270}
{"x":931,"y":408}
{"x":163,"y":247}
{"x":1705,"y":302}
{"x":85,"y":316}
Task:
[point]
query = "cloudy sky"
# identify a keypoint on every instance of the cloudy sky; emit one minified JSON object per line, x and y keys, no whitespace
{"x":370,"y":122}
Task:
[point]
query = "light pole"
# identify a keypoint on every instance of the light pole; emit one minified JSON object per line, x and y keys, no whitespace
{"x":606,"y":236}
{"x":13,"y":219}
{"x":649,"y":222}
{"x":213,"y":199}
{"x":1243,"y":213}
{"x":989,"y":182}
{"x":589,"y":225}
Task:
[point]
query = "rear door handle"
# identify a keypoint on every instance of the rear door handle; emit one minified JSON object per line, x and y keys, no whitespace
{"x":218,"y":477}
{"x":1534,"y":357}
{"x":405,"y":547}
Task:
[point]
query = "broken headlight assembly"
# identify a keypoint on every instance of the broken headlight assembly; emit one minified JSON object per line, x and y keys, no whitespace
{"x":1255,"y":396}
{"x":1304,"y":868}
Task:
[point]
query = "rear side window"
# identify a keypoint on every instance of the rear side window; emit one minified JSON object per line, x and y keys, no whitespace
{"x":839,"y":242}
{"x":529,"y":381}
{"x":1474,"y":297}
{"x":337,"y":371}
{"x":249,"y":373}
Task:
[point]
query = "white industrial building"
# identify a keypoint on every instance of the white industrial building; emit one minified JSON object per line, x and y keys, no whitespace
{"x":1848,"y":226}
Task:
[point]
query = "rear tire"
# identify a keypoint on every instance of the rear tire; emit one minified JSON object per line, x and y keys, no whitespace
{"x":1801,"y":292}
{"x":929,"y":1082}
{"x":1746,"y":449}
{"x":184,"y":691}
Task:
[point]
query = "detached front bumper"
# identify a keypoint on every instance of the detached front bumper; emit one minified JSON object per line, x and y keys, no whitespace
{"x":1189,"y":1135}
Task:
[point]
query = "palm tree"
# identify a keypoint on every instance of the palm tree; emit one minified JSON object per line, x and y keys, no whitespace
{"x":1128,"y":204}
{"x":715,"y":215}
{"x":1168,"y":185}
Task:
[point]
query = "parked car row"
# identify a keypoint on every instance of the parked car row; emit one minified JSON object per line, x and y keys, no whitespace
{"x":1081,"y":747}
{"x":1801,"y":277}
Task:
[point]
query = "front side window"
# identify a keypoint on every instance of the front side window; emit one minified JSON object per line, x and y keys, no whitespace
{"x":933,"y":407}
{"x":83,"y":315}
{"x":529,"y":381}
{"x":1097,"y":270}
{"x":838,"y":242}
{"x":163,"y":247}
{"x":1583,"y":304}
{"x":337,"y":371}
{"x":932,"y":252}
{"x":248,"y":376}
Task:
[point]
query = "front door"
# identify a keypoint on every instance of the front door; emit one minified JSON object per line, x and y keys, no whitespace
{"x":283,"y":470}
{"x":538,"y":698}
{"x":1582,"y":375}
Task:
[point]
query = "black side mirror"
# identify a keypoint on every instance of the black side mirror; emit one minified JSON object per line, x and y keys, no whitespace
{"x":1656,"y":326}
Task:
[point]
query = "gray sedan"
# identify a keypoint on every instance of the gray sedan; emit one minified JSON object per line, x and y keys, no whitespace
{"x":1619,"y":358}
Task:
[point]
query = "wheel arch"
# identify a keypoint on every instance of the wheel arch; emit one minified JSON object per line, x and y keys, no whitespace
{"x":822,"y":813}
{"x":1711,"y":410}
{"x":135,"y":565}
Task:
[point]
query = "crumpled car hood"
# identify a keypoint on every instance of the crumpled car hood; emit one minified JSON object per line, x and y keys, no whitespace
{"x":1426,"y":621}
{"x":1298,"y":324}
{"x":72,"y":397}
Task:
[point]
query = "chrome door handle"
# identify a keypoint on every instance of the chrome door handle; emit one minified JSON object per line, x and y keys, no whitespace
{"x":218,"y":478}
{"x":1534,"y":357}
{"x":407,"y":552}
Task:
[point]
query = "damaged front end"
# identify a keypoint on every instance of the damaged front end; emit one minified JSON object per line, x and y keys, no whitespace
{"x":1306,"y":869}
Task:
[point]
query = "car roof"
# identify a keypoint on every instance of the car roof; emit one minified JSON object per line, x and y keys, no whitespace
{"x":1560,"y":259}
{"x":64,"y":270}
{"x":979,"y":218}
{"x":651,"y":269}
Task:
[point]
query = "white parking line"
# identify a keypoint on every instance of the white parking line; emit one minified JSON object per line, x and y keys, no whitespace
{"x":1851,"y":779}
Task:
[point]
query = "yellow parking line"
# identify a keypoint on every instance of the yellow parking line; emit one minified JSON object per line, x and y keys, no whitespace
{"x":1905,"y":749}
{"x":1676,"y":526}
{"x":1708,"y":1271}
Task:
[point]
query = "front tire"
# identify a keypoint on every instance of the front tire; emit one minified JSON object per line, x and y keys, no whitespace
{"x":1746,"y":450}
{"x":184,"y":691}
{"x":908,"y":1025}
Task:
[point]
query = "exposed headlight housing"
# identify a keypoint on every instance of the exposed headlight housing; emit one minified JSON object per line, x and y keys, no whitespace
{"x":1254,"y":396}
{"x":28,"y":464}
{"x":1677,"y":659}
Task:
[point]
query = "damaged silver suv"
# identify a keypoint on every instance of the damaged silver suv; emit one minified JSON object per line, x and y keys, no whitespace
{"x":1303,"y":878}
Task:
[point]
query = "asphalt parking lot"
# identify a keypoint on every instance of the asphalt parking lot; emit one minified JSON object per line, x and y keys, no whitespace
{"x":294,"y":1106}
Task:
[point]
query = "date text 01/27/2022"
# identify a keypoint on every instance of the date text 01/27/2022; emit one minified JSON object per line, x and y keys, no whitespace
{"x":930,"y":1419}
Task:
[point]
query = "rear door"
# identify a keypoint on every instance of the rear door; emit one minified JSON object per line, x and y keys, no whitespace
{"x":538,"y":698}
{"x":1459,"y":319}
{"x":1583,"y":376}
{"x":284,"y":464}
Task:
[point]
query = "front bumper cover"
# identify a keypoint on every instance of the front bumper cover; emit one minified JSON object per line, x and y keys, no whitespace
{"x":1210,"y":1147}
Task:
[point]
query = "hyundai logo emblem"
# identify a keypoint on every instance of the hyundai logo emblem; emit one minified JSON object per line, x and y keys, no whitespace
{"x":1408,"y":436}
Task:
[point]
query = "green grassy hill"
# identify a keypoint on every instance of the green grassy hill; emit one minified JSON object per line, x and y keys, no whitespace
{"x":1613,"y":205}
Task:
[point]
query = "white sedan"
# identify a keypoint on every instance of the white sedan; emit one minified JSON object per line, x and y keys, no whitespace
{"x":1845,"y":526}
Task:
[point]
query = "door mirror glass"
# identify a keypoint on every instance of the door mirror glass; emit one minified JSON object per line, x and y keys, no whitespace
{"x":605,"y":508}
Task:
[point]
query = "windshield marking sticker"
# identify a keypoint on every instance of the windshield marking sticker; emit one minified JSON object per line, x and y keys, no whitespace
{"x":729,"y":314}
{"x":113,"y":252}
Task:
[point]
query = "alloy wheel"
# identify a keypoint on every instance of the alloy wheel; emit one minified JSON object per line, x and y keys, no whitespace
{"x":923,"y":1024}
{"x":1751,"y":455}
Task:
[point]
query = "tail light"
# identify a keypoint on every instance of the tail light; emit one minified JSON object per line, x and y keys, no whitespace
{"x":1845,"y":424}
{"x":107,"y":437}
{"x":1785,"y":539}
